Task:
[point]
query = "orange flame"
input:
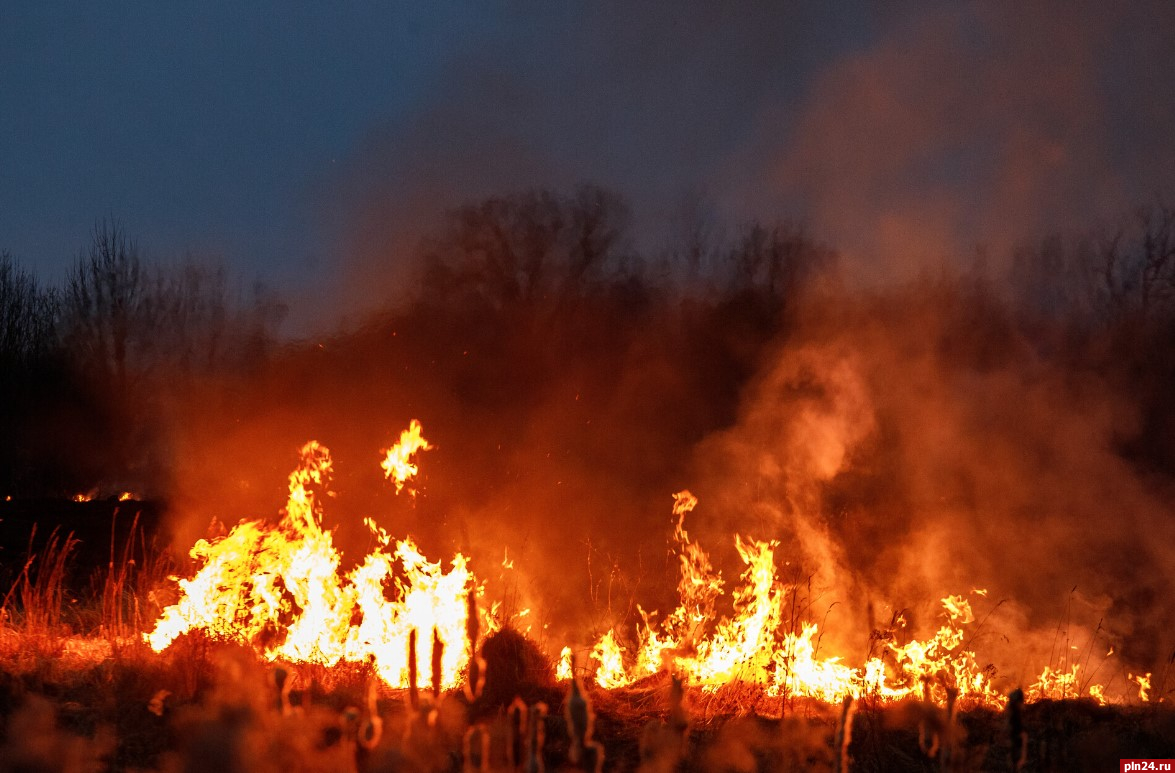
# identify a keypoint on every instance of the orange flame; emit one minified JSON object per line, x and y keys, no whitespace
{"x":279,"y":588}
{"x":757,"y":646}
{"x":397,"y":464}
{"x":565,"y":670}
{"x":1144,"y":685}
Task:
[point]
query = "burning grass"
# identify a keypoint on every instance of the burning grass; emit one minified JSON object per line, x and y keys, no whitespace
{"x":270,"y":656}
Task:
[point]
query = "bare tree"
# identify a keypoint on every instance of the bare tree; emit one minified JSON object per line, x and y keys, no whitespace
{"x":598,"y":220}
{"x":187,"y":307}
{"x":528,"y":248}
{"x":696,"y":240}
{"x":105,"y":302}
{"x":773,"y":263}
{"x":1133,"y":265}
{"x":27,"y":314}
{"x":1156,"y":257}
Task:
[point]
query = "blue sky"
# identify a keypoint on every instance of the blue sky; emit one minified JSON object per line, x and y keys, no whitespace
{"x":312,"y":146}
{"x":202,"y":126}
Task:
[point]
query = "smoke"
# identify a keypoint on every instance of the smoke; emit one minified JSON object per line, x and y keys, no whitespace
{"x":909,"y":138}
{"x":912,"y":444}
{"x":646,"y":100}
{"x":978,"y":125}
{"x":901,"y":445}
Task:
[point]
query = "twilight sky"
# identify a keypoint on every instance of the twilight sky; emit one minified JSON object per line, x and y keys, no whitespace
{"x":311,"y":147}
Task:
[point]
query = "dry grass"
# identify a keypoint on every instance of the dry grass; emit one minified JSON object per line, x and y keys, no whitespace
{"x":79,"y":691}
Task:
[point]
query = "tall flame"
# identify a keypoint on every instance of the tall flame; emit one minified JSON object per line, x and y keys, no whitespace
{"x":279,"y":588}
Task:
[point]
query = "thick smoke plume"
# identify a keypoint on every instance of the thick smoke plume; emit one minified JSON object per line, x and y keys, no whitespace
{"x":916,"y":443}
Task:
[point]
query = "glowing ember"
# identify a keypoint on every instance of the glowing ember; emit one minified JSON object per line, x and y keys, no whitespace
{"x":279,"y":588}
{"x":397,"y":464}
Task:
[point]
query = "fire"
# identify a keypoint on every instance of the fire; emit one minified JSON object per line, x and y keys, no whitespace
{"x":1144,"y":685}
{"x":397,"y":464}
{"x":610,"y":656}
{"x":279,"y":588}
{"x":1060,"y":683}
{"x":756,"y":645}
{"x":566,"y":669}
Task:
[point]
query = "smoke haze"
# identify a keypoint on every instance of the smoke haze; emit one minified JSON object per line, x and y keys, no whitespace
{"x":908,"y":138}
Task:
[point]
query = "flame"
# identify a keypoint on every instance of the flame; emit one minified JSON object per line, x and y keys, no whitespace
{"x":1144,"y":685}
{"x":397,"y":462}
{"x":280,"y":589}
{"x":1057,"y":683}
{"x":610,"y":656}
{"x":85,"y":496}
{"x":126,"y":496}
{"x":757,"y":646}
{"x":565,"y":670}
{"x":959,"y":608}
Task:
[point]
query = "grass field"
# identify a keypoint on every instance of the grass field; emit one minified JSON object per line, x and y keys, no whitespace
{"x":80,"y":690}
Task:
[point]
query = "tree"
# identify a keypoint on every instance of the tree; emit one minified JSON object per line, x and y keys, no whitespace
{"x":770,"y":265}
{"x":105,"y":303}
{"x":187,"y":309}
{"x":1126,"y":272}
{"x":1156,"y":258}
{"x":528,"y":249}
{"x":27,"y":315}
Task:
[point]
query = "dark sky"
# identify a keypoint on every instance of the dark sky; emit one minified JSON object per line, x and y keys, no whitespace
{"x":311,"y":146}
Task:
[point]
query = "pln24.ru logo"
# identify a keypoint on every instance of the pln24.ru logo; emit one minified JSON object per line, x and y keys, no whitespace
{"x":1144,"y":765}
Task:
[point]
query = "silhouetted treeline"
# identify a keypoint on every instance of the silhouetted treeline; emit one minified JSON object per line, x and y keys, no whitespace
{"x":1105,"y":302}
{"x":87,"y":369}
{"x":519,"y":301}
